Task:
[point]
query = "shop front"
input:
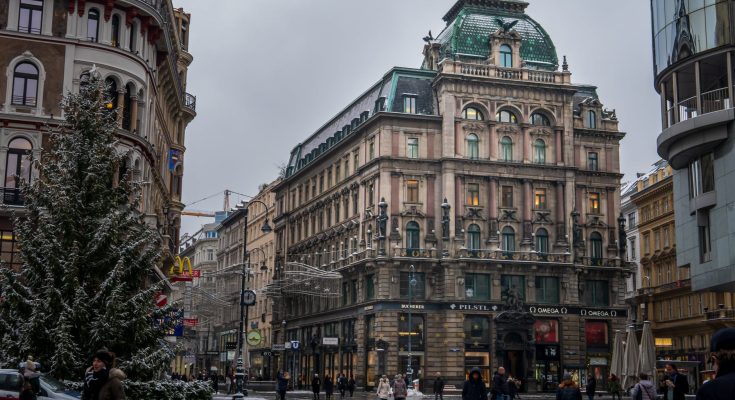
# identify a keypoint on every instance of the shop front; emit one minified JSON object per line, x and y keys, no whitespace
{"x":477,"y":346}
{"x":548,"y":354}
{"x":411,"y":345}
{"x":597,"y":340}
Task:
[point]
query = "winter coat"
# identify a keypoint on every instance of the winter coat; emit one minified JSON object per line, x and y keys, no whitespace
{"x":351,"y":385}
{"x":474,"y":388}
{"x":720,"y":388}
{"x":614,"y":386}
{"x":400,"y":391}
{"x":500,"y":384}
{"x":281,"y":381}
{"x":681,"y":387}
{"x":93,"y":382}
{"x":328,"y":386}
{"x":591,"y":387}
{"x":383,"y":389}
{"x":315,"y":384}
{"x":113,"y":388}
{"x":342,"y":383}
{"x":647,"y":389}
{"x":568,"y":390}
{"x":439,"y":385}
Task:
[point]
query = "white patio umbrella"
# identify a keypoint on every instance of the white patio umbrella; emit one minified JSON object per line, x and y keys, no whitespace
{"x":647,"y":363}
{"x":616,"y":364}
{"x":630,"y":359}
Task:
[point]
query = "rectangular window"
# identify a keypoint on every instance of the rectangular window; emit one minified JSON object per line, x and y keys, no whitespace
{"x":539,"y":201}
{"x":702,"y":175}
{"x":355,"y":162}
{"x":409,"y":104}
{"x":596,"y":333}
{"x":210,"y":254}
{"x":631,"y":221}
{"x":597,"y":294}
{"x":666,"y":237}
{"x":656,"y":240}
{"x":418,"y":290}
{"x":371,"y":149}
{"x":633,"y":249}
{"x":29,"y":16}
{"x":415,"y":331}
{"x":477,"y":286}
{"x":473,"y":194}
{"x":337,"y":173}
{"x":412,"y":191}
{"x":329,"y":178}
{"x":345,"y":296}
{"x":353,"y":291}
{"x":594,"y":203}
{"x":513,"y":286}
{"x":507,"y":197}
{"x":705,"y":240}
{"x":547,"y":290}
{"x":371,"y":194}
{"x":369,"y":287}
{"x":592,"y":162}
{"x":412,"y":148}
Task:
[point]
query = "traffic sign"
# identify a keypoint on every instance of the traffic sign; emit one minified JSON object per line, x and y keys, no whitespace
{"x":254,"y":338}
{"x":248,"y":298}
{"x":295,"y":344}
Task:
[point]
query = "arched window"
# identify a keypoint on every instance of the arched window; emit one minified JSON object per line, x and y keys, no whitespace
{"x":112,"y":92}
{"x":472,"y":113}
{"x":540,"y":120}
{"x":25,"y":84}
{"x":30,"y":15}
{"x":93,"y":25}
{"x":116,"y":30}
{"x":542,"y":242}
{"x":539,"y":152}
{"x":506,"y":149}
{"x":17,"y":169}
{"x":506,"y":117}
{"x":473,"y":146}
{"x":473,"y":233}
{"x":412,"y":236}
{"x":596,"y":248}
{"x":591,"y":119}
{"x":131,"y":39}
{"x":509,"y":240}
{"x":127,"y":106}
{"x":506,"y":56}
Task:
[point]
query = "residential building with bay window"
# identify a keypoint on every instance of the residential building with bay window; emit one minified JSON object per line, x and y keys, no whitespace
{"x":140,"y":48}
{"x":489,"y":173}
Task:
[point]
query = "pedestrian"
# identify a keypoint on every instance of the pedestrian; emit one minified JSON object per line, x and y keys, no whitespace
{"x":474,"y":388}
{"x":400,"y":389}
{"x":316,"y":383}
{"x":27,"y":393}
{"x":500,"y":389}
{"x":342,"y":386}
{"x":591,"y":386}
{"x":101,"y":380}
{"x":328,"y":387}
{"x":282,"y":384}
{"x":351,"y":385}
{"x":644,"y":389}
{"x":675,"y":386}
{"x":513,"y":385}
{"x":31,"y":375}
{"x":215,"y":382}
{"x":438,"y":387}
{"x":384,"y":390}
{"x":568,"y":390}
{"x":722,"y":347}
{"x":614,"y":387}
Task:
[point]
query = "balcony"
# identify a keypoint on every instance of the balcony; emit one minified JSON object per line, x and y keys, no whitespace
{"x":709,"y":102}
{"x":602,"y":262}
{"x":414,"y":252}
{"x":725,"y":315}
{"x":12,"y":197}
{"x":522,"y":256}
{"x":493,"y":71}
{"x":190,"y":101}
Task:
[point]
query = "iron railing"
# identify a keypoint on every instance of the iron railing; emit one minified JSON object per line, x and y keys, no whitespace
{"x":715,"y":100}
{"x":190,"y":101}
{"x":13,"y":196}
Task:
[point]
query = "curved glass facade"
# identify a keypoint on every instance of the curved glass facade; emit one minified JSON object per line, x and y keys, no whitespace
{"x":682,"y":28}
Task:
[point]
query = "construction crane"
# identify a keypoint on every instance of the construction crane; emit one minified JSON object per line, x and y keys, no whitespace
{"x":211,"y":214}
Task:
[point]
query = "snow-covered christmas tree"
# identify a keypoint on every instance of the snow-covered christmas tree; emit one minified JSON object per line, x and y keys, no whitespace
{"x":86,"y":254}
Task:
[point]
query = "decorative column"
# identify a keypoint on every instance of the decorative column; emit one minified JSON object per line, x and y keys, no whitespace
{"x":526,"y":143}
{"x":120,"y":106}
{"x":133,"y":114}
{"x":561,"y":226}
{"x":493,"y":210}
{"x":611,"y":220}
{"x":493,"y":145}
{"x":527,"y":211}
{"x":559,"y":146}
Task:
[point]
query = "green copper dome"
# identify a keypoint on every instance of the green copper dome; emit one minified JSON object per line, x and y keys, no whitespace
{"x":471,"y":22}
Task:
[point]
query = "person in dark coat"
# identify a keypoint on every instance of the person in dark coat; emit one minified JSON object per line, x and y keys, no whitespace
{"x":474,"y":388}
{"x":281,"y":384}
{"x":215,"y":382}
{"x":568,"y":390}
{"x":591,"y":386}
{"x":328,"y":387}
{"x":723,"y":357}
{"x":101,"y":381}
{"x":400,"y":388}
{"x":351,"y":385}
{"x":500,"y":389}
{"x":439,"y":387}
{"x":316,"y":383}
{"x":675,"y":385}
{"x":27,"y":393}
{"x":341,"y":385}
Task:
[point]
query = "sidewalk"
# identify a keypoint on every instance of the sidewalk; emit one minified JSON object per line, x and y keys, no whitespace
{"x":307,"y":395}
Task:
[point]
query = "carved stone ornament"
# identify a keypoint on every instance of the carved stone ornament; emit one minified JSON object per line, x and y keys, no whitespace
{"x":541,"y":132}
{"x":475,"y":213}
{"x":595,"y":222}
{"x":412,"y":211}
{"x":543,"y":217}
{"x":507,"y":129}
{"x":473,"y":126}
{"x":508,"y":216}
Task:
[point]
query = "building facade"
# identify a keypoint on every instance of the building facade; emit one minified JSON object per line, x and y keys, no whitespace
{"x":140,"y":49}
{"x":693,"y":57}
{"x":483,"y":182}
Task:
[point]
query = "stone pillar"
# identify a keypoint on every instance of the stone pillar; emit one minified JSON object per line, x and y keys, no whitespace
{"x":527,"y":211}
{"x":526,"y":144}
{"x":493,"y":145}
{"x":561,"y":229}
{"x":559,"y":147}
{"x":120,"y":106}
{"x":133,"y":114}
{"x":492,"y":210}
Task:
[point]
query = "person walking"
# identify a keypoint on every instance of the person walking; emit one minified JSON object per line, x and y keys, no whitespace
{"x":316,"y":383}
{"x":568,"y":390}
{"x":341,"y":385}
{"x":328,"y":387}
{"x":101,"y":380}
{"x":400,"y":389}
{"x":31,"y":374}
{"x":644,"y":388}
{"x":281,"y":384}
{"x":215,"y":382}
{"x":438,"y":387}
{"x":27,"y":393}
{"x":384,"y":389}
{"x":722,"y":387}
{"x":500,"y":389}
{"x":474,"y":388}
{"x":591,"y":387}
{"x":614,"y":387}
{"x":675,"y":386}
{"x":351,"y":385}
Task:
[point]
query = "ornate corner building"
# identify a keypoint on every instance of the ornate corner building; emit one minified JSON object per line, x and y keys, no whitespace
{"x":485,"y":181}
{"x":140,"y":47}
{"x":693,"y":46}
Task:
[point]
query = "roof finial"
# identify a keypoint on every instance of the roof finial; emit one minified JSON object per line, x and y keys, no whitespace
{"x":564,"y":65}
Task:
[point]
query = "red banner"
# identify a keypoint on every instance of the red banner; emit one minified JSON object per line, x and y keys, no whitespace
{"x":180,"y":278}
{"x":197,"y":273}
{"x":191,"y":322}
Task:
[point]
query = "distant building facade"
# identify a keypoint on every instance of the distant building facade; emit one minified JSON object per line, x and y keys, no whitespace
{"x":693,"y":57}
{"x":492,"y":177}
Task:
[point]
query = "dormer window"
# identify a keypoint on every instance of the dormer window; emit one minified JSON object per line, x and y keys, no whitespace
{"x":591,"y":119}
{"x":409,"y":104}
{"x":506,"y":56}
{"x":472,"y":113}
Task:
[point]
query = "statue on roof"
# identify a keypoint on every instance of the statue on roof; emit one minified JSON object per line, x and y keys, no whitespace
{"x":506,"y":26}
{"x":429,"y":38}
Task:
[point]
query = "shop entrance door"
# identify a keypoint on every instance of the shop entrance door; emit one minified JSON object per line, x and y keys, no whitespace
{"x":514,"y":364}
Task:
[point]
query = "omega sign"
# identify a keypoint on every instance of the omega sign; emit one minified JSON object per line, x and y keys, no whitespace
{"x":548,"y":310}
{"x":598,"y":313}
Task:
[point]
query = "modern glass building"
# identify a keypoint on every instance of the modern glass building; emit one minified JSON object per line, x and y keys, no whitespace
{"x":693,"y":62}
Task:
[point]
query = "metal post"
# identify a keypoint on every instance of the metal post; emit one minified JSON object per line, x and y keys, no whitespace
{"x":240,"y":392}
{"x":411,"y":284}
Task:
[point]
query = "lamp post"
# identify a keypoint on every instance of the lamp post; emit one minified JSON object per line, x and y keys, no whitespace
{"x":411,"y":284}
{"x":245,"y":303}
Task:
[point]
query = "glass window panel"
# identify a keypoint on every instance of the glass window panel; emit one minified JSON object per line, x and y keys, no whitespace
{"x":695,"y":5}
{"x":419,"y":291}
{"x":547,"y":290}
{"x":513,"y":284}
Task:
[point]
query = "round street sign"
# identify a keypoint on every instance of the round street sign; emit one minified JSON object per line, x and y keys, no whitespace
{"x":254,"y":338}
{"x":248,"y":298}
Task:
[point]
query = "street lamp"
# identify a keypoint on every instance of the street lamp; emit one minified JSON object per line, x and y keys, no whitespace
{"x":411,"y":285}
{"x":245,"y":305}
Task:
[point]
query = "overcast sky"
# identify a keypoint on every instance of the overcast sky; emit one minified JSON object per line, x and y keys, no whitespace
{"x":268,"y":73}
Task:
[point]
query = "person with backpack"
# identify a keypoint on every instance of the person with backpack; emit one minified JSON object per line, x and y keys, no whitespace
{"x":568,"y":390}
{"x":644,"y":389}
{"x":341,"y":386}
